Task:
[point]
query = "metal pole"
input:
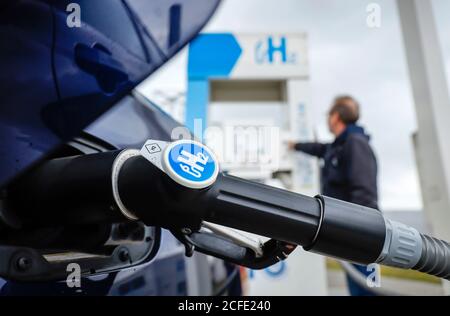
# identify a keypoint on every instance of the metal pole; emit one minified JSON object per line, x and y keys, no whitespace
{"x":431,"y":97}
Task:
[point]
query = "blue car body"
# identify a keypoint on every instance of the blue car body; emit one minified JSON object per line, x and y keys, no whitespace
{"x":58,"y":82}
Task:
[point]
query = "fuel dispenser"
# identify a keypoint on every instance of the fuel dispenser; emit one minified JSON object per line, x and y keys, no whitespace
{"x":248,"y":94}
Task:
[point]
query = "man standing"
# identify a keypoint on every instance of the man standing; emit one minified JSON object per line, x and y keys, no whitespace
{"x":349,"y":169}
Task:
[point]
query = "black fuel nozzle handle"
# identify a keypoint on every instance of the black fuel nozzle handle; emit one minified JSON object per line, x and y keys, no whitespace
{"x":319,"y":224}
{"x":341,"y":230}
{"x":322,"y":225}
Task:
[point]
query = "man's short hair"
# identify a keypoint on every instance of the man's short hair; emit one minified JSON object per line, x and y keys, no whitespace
{"x":347,"y":108}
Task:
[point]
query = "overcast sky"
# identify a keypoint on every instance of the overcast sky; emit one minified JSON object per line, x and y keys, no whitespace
{"x":345,"y":57}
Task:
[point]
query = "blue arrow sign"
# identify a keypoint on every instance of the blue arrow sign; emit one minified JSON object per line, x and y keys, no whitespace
{"x":213,"y":55}
{"x":210,"y":55}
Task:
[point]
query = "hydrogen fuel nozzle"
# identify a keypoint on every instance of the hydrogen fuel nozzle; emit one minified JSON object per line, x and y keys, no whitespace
{"x":179,"y":186}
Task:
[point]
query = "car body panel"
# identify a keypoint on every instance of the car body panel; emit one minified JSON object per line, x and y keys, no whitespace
{"x":165,"y":275}
{"x":49,"y":97}
{"x":50,"y":94}
{"x":27,"y":85}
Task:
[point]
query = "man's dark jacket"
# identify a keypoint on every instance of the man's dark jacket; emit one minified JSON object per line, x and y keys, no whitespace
{"x":349,"y":171}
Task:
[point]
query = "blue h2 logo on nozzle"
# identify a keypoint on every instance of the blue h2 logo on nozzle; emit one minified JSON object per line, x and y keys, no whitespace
{"x":193,"y":164}
{"x":192,"y":161}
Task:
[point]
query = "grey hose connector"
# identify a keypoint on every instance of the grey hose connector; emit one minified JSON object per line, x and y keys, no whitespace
{"x":406,"y":248}
{"x":402,"y":246}
{"x":435,"y":258}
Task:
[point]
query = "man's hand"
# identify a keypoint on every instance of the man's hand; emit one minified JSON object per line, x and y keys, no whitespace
{"x":291,"y":145}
